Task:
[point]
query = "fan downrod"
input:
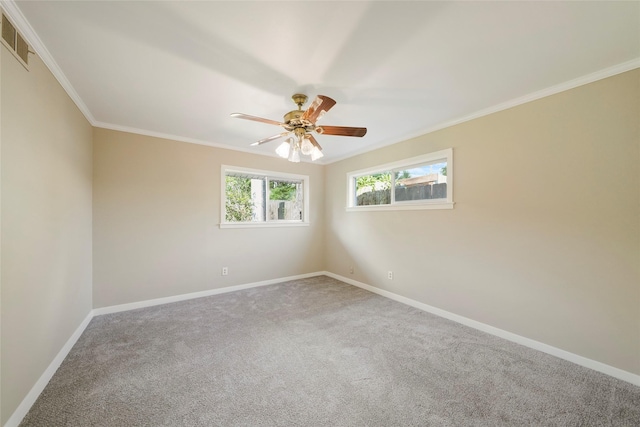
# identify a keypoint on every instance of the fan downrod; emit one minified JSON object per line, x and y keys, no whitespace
{"x":292,"y":118}
{"x":299,"y":99}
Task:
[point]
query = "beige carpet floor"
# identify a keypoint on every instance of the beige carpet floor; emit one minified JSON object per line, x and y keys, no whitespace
{"x":316,"y":352}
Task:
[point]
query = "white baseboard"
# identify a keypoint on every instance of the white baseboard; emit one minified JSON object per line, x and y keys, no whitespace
{"x":42,"y":382}
{"x":184,"y":297}
{"x":518,"y":339}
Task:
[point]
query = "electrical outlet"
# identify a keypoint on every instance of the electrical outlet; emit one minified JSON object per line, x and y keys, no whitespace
{"x":225,"y":271}
{"x":351,"y":270}
{"x":390,"y":275}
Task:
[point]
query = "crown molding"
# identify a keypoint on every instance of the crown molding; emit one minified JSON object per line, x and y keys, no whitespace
{"x":571,"y":84}
{"x":562,"y":87}
{"x":170,"y":137}
{"x":14,"y":13}
{"x":178,"y":138}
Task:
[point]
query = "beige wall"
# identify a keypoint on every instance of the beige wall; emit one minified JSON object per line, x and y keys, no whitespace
{"x":544,"y":239}
{"x":156,"y":215}
{"x":1,"y":414}
{"x":46,"y":224}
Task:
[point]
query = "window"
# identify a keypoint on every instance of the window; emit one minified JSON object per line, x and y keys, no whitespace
{"x":255,"y":198}
{"x":423,"y":182}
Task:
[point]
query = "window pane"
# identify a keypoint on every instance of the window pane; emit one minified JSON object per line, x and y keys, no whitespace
{"x":256,"y":198}
{"x":285,"y":200}
{"x":422,"y":182}
{"x":244,"y":199}
{"x":373,"y":189}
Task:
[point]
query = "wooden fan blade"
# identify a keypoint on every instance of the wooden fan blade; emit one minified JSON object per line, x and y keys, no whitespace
{"x":256,"y":119}
{"x":341,"y":131}
{"x":271,"y":138}
{"x":318,"y":107}
{"x":313,"y":141}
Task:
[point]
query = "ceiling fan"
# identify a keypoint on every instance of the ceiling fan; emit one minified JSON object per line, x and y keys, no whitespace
{"x":299,"y":125}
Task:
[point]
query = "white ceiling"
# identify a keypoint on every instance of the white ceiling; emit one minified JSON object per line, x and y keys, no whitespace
{"x":178,"y":69}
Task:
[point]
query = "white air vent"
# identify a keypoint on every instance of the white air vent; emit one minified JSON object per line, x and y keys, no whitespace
{"x":22,"y":48}
{"x":15,"y":42}
{"x":8,"y":33}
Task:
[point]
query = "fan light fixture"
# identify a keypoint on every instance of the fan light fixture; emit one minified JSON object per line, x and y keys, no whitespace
{"x":316,"y":153}
{"x":306,"y":147}
{"x":283,"y":149}
{"x":292,"y":148}
{"x":299,"y":125}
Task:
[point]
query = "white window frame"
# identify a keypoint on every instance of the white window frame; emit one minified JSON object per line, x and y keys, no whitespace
{"x":446,"y":203}
{"x":271,"y":175}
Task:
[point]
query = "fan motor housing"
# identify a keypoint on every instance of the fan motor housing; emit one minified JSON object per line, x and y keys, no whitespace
{"x":293,"y":120}
{"x":293,"y":116}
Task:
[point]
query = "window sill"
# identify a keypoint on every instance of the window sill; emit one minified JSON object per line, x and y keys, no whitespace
{"x":262,"y":224}
{"x":401,"y":207}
